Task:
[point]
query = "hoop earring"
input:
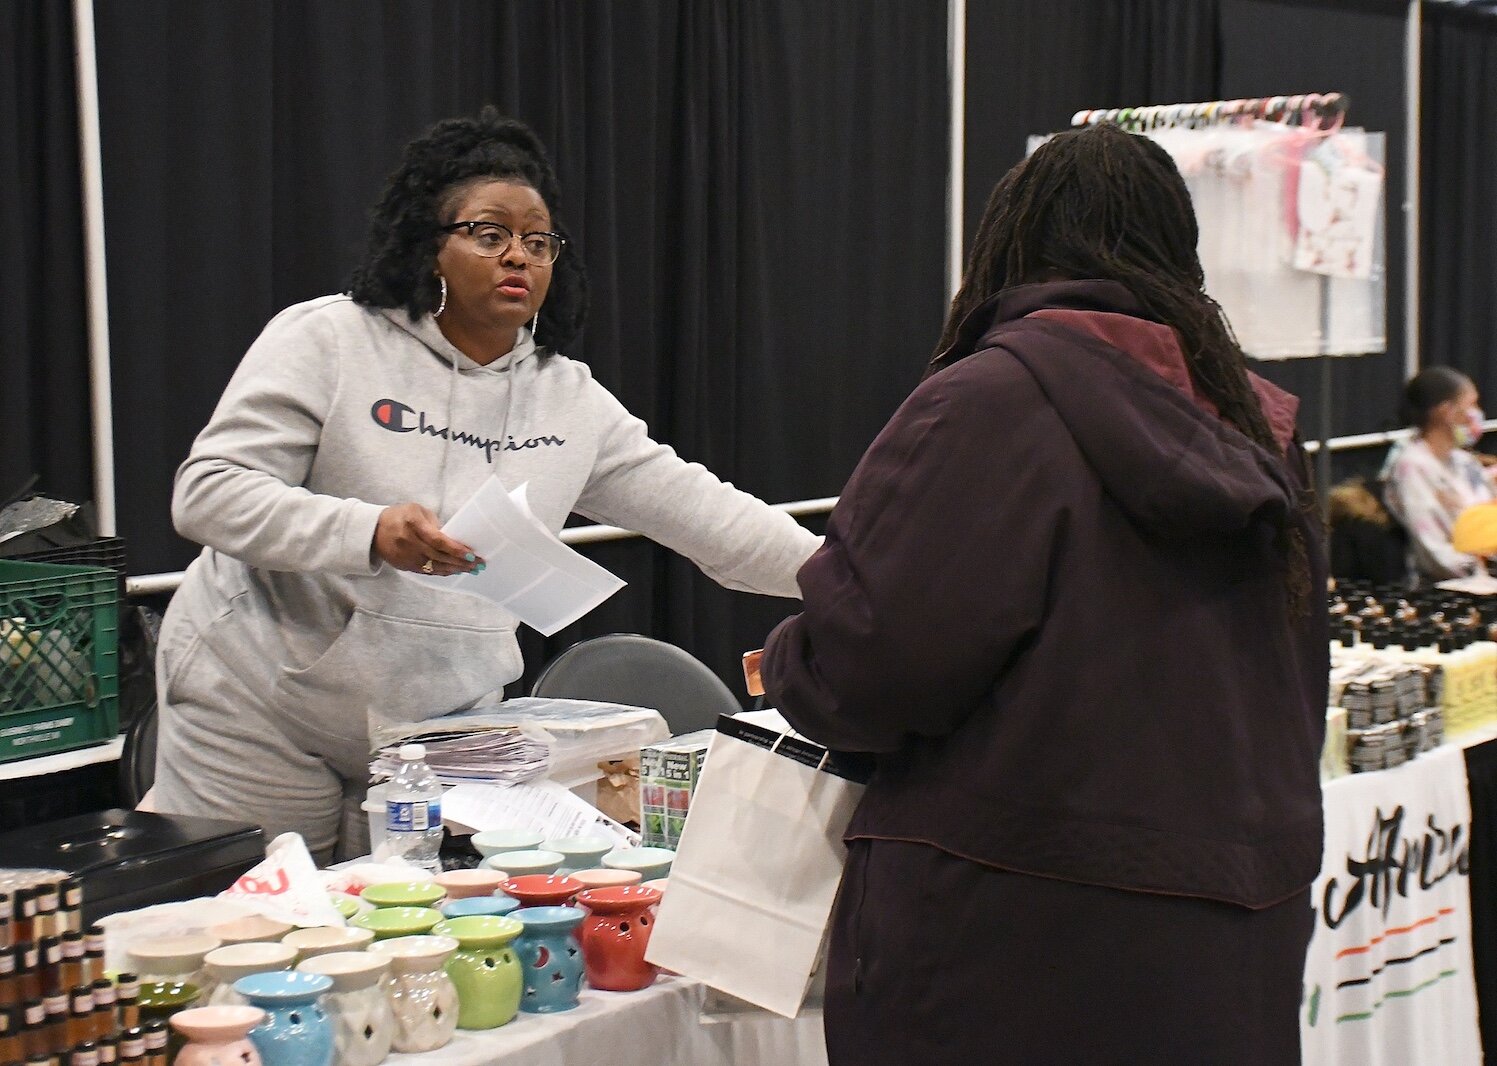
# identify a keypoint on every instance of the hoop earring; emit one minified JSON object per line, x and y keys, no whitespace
{"x":442,"y":304}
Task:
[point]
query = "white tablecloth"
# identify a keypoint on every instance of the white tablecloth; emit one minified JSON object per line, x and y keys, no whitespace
{"x":1388,"y":978}
{"x":662,"y":1025}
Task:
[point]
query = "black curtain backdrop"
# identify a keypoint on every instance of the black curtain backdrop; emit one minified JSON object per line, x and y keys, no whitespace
{"x":758,"y":189}
{"x":1459,"y":211}
{"x":1031,"y":64}
{"x":44,"y":410}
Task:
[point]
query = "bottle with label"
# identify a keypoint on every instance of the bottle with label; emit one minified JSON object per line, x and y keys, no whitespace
{"x":155,"y":1039}
{"x":413,"y":808}
{"x":10,"y":1034}
{"x":127,"y":997}
{"x":10,"y":984}
{"x":71,"y":972}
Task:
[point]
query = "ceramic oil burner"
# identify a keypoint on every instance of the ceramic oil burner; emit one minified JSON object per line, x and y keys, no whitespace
{"x":253,"y":929}
{"x":495,"y":906}
{"x":218,"y":1036}
{"x":229,"y":963}
{"x":658,"y":884}
{"x":469,"y":884}
{"x":363,"y":1024}
{"x":159,"y":1000}
{"x":521,"y":863}
{"x":422,"y":996}
{"x":484,"y":970}
{"x":325,"y":940}
{"x":542,"y":890}
{"x":550,"y":957}
{"x":296,"y":1030}
{"x":405,"y":894}
{"x":386,"y":923}
{"x":604,"y":878}
{"x":348,"y":905}
{"x":615,"y":934}
{"x":172,"y":959}
{"x":652,"y":863}
{"x":578,"y":853}
{"x":498,"y":841}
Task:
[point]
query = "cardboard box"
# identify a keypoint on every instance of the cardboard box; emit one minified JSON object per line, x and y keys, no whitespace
{"x":668,"y":775}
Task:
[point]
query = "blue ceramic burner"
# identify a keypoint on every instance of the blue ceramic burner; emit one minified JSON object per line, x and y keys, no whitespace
{"x":551,"y":958}
{"x":296,"y":1030}
{"x":497,"y":905}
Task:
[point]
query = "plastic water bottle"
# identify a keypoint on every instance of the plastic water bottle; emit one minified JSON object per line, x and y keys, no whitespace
{"x":413,"y":810}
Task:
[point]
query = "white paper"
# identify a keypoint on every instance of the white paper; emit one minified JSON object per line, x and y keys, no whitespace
{"x":542,"y":807}
{"x":530,"y":572}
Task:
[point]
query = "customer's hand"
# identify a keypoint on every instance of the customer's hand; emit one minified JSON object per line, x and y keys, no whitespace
{"x":408,"y":537}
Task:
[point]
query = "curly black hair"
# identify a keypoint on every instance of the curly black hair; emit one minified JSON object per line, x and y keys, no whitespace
{"x":399,"y":267}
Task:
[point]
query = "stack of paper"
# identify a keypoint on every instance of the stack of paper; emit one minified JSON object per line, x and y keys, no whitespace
{"x":520,"y":739}
{"x":494,"y":754}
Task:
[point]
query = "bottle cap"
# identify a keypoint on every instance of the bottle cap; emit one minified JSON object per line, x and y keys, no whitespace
{"x":413,"y":752}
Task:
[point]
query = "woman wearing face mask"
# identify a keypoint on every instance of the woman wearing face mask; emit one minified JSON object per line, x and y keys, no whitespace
{"x":1432,"y":477}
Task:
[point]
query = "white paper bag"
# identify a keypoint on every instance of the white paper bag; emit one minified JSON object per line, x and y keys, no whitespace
{"x":759,"y":864}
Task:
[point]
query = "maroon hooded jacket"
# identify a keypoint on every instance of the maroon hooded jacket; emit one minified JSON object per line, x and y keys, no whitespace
{"x":1051,"y":602}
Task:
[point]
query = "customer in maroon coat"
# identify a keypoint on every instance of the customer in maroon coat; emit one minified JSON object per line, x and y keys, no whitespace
{"x":1071,"y":599}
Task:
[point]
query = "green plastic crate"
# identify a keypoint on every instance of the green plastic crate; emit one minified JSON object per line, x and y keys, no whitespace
{"x":59,"y":658}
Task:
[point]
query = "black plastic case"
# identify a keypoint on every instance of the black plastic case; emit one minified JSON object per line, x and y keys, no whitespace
{"x":130,"y":859}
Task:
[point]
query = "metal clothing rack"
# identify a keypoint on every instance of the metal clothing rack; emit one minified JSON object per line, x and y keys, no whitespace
{"x":1324,"y":108}
{"x":1314,"y":110}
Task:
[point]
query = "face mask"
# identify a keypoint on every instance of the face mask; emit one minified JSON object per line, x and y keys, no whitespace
{"x":1468,"y":430}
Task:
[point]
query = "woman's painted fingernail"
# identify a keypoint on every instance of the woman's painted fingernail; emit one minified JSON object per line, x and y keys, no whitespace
{"x":470,"y":557}
{"x":480,"y":568}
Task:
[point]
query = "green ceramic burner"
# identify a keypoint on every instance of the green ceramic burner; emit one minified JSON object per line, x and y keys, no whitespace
{"x":390,"y":922}
{"x":405,"y":894}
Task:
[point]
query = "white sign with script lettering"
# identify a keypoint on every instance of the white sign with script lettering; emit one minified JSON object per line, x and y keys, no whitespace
{"x":1388,"y":978}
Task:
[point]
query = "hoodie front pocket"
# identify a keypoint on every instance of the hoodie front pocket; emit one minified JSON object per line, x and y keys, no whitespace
{"x":388,"y":668}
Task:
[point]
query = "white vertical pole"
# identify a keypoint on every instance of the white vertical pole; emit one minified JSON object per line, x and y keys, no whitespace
{"x":1413,"y":97}
{"x":100,"y":389}
{"x":956,"y":65}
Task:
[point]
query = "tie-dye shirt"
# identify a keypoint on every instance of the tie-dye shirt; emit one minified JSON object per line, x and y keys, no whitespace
{"x":1426,"y":494}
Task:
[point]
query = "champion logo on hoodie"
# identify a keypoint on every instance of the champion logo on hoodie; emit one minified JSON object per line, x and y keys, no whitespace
{"x":398,"y":417}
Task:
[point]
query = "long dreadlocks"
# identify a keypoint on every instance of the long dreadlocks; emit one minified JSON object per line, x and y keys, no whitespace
{"x":1101,"y":203}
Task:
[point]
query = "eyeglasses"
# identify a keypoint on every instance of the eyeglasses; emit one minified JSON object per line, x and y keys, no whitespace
{"x":491,"y":240}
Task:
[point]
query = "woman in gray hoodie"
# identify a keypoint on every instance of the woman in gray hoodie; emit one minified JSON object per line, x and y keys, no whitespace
{"x":353,"y":426}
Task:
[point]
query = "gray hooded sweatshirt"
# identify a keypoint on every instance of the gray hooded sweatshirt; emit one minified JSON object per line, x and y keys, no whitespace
{"x":338,"y":411}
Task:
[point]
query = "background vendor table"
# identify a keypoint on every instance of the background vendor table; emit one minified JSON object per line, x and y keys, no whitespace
{"x":662,"y":1025}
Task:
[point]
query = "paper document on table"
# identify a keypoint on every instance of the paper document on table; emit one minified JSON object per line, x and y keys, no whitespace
{"x":542,"y":807}
{"x":530,"y":572}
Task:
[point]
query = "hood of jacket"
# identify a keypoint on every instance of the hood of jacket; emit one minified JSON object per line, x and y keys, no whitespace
{"x":1120,"y":384}
{"x":426,"y":330}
